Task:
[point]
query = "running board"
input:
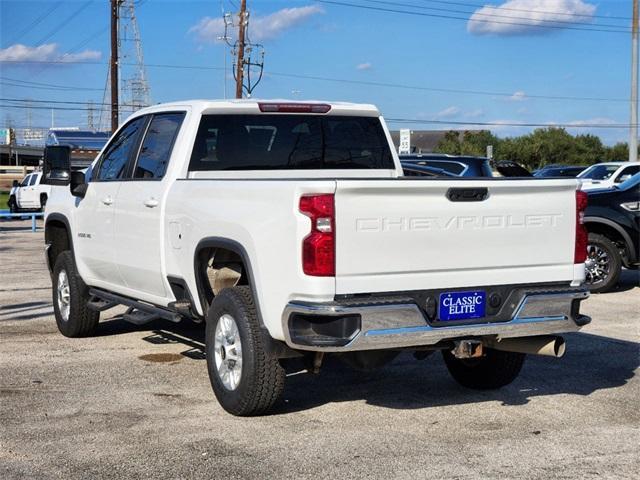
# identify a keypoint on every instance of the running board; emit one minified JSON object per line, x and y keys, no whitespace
{"x":139,"y":313}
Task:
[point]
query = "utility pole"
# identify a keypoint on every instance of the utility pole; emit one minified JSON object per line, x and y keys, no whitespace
{"x":633,"y":140}
{"x":240,"y":64}
{"x":113,"y":66}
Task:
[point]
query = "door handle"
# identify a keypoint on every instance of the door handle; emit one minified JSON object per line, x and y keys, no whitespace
{"x":151,"y":203}
{"x":107,"y":200}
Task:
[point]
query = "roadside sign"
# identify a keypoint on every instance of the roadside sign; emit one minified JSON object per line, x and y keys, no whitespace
{"x":405,"y":141}
{"x":5,"y":136}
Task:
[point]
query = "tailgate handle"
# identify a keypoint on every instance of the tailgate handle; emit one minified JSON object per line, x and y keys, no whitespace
{"x":467,"y":194}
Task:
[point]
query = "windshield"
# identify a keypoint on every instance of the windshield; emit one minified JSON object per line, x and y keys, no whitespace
{"x":287,"y":142}
{"x":599,"y":172}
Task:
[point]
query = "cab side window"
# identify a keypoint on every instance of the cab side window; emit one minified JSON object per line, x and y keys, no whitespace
{"x":25,"y":181}
{"x":157,"y":145}
{"x":627,"y":173}
{"x":34,"y":177}
{"x":113,"y":165}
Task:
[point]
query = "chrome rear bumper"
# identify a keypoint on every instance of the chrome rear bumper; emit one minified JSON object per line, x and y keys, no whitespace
{"x":401,"y":325}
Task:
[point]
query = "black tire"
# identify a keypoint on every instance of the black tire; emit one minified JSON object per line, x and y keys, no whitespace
{"x":13,"y":205}
{"x":43,"y":201}
{"x":494,"y":370}
{"x":598,"y":281}
{"x":262,"y":377}
{"x":80,"y":320}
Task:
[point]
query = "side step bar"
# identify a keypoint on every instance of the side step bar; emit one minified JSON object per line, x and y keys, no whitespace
{"x":138,"y":313}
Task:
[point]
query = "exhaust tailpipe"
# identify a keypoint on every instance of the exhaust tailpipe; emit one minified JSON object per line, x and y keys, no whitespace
{"x":548,"y":345}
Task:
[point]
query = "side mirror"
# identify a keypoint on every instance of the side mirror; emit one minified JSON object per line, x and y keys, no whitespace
{"x":78,"y":184}
{"x":56,"y":168}
{"x":15,"y":184}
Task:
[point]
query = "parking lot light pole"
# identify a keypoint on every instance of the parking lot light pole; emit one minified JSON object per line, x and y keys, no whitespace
{"x":633,"y":138}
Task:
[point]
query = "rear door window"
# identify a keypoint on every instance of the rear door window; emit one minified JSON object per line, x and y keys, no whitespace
{"x":157,"y":145}
{"x":288,"y":142}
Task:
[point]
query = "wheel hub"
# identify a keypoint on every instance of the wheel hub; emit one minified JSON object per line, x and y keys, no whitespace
{"x":597,"y":264}
{"x":64,"y":295}
{"x":228,"y":352}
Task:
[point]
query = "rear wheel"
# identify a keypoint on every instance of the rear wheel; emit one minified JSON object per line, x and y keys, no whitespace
{"x":493,"y":370}
{"x":603,"y":264}
{"x":70,"y":297}
{"x":246,"y":378}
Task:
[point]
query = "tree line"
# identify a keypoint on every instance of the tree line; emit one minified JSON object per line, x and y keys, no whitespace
{"x":534,"y":150}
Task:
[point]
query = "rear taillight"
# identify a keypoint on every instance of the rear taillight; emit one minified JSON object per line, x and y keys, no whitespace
{"x":318,"y":248}
{"x":580,"y":253}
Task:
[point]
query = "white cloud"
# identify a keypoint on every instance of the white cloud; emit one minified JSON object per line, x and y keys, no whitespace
{"x":518,"y":96}
{"x":364,"y":66}
{"x":448,"y":112}
{"x":81,"y":56}
{"x":261,"y":28}
{"x":47,"y":52}
{"x":518,"y":17}
{"x":593,"y":121}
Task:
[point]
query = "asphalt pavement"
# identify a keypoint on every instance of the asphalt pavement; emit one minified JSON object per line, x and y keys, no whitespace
{"x":135,"y":402}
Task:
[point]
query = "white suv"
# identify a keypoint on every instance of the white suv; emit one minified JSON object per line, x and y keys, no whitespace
{"x":606,"y":175}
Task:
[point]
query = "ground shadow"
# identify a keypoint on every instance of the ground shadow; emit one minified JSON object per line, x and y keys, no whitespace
{"x":592,"y":363}
{"x":629,"y":279}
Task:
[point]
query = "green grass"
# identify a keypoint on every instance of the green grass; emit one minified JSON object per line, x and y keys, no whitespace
{"x":4,"y":197}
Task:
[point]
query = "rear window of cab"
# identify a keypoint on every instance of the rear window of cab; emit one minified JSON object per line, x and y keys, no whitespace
{"x":290,"y":142}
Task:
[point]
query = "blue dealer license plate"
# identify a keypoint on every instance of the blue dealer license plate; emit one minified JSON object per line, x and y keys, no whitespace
{"x":462,"y":305}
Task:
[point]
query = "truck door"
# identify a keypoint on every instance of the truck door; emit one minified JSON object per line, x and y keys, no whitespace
{"x":93,"y":238}
{"x":19,"y":191}
{"x":139,"y":208}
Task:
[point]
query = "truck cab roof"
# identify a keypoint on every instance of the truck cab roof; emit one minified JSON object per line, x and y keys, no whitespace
{"x":252,"y":106}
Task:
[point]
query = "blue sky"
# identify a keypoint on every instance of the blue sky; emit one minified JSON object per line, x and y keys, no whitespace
{"x":342,"y":42}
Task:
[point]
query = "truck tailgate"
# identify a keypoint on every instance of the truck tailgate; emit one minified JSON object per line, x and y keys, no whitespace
{"x":400,"y":234}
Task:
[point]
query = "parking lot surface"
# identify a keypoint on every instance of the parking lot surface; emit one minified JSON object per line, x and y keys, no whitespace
{"x":135,"y":402}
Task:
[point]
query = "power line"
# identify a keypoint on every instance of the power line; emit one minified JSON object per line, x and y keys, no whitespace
{"x":493,"y":15}
{"x":64,"y":23}
{"x":33,"y":24}
{"x":568,"y":14}
{"x":389,"y":120}
{"x":362,"y":82}
{"x":509,"y":124}
{"x":444,"y":90}
{"x":466,"y":19}
{"x":56,"y":102}
{"x":28,"y":84}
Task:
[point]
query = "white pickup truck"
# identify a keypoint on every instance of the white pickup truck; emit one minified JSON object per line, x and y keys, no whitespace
{"x":29,"y":194}
{"x":290,"y":230}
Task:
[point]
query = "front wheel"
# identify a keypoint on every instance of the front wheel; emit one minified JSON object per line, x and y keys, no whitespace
{"x":603,"y":264}
{"x":246,"y":379}
{"x":493,"y":370}
{"x":13,"y":205}
{"x":70,"y":297}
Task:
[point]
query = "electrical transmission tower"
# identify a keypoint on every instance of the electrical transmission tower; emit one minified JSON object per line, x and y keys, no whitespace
{"x":134,"y":85}
{"x":248,"y":56}
{"x":90,"y":115}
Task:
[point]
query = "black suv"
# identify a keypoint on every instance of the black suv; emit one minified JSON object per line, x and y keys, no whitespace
{"x":446,"y":165}
{"x":613,"y":221}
